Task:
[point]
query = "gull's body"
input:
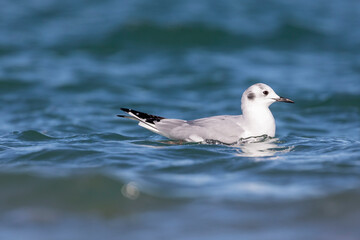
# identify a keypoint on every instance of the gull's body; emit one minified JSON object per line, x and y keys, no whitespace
{"x":256,"y":120}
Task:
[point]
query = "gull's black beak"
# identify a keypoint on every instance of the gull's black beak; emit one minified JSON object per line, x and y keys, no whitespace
{"x":282,"y":99}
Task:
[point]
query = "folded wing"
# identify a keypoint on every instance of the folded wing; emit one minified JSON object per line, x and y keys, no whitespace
{"x":225,"y":128}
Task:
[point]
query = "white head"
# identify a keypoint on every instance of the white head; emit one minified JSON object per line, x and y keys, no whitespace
{"x":261,"y":95}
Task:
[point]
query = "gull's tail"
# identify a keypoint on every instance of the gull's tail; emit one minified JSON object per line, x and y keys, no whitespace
{"x":145,"y":120}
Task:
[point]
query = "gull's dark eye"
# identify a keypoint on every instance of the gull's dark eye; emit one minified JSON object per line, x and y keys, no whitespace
{"x":265,"y":92}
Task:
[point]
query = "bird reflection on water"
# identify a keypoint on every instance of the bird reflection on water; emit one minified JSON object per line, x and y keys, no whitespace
{"x":261,"y":146}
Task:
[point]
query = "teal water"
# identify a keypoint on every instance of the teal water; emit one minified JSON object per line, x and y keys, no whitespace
{"x":70,"y":169}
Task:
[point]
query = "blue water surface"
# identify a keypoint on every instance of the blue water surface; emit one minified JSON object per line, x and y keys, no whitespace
{"x":71,"y":169}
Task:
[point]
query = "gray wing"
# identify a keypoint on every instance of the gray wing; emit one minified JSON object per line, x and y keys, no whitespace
{"x":223,"y":128}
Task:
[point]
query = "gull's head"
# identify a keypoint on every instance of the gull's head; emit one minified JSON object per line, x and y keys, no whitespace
{"x":261,"y":94}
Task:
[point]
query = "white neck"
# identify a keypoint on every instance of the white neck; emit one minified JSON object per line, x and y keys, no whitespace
{"x":259,"y":120}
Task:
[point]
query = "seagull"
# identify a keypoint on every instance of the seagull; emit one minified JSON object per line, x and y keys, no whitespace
{"x":256,"y":120}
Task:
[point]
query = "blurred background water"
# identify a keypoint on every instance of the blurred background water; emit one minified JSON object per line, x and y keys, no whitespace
{"x":70,"y":169}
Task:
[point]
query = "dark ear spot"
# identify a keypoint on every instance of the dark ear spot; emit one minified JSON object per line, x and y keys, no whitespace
{"x":251,"y":96}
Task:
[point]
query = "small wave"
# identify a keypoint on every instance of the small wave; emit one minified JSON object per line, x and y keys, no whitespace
{"x":32,"y":135}
{"x":63,"y":156}
{"x":110,"y":136}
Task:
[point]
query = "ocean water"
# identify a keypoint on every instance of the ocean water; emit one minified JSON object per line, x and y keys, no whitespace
{"x":70,"y":169}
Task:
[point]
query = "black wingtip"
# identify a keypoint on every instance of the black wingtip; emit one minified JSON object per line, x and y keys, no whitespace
{"x":144,"y":117}
{"x":120,"y":115}
{"x":126,"y":109}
